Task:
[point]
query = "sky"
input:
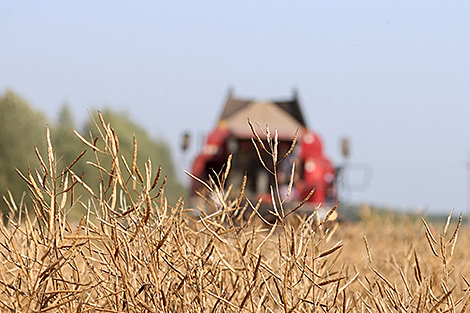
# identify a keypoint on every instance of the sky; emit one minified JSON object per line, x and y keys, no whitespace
{"x":392,"y":76}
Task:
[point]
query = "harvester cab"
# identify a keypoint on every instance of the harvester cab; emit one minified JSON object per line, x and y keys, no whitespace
{"x":232,"y":135}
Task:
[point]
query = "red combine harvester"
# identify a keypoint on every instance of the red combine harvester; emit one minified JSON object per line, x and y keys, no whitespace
{"x":232,"y":135}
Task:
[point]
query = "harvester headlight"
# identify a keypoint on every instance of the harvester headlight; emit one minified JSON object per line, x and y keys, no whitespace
{"x":211,"y":149}
{"x":310,"y":166}
{"x":309,"y":138}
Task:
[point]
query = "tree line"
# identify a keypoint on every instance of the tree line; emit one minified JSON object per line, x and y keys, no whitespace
{"x":22,"y":128}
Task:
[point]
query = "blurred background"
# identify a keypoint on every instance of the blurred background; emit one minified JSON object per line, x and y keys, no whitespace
{"x":391,"y":76}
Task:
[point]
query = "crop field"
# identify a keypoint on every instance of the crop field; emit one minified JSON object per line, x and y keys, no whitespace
{"x":132,"y":251}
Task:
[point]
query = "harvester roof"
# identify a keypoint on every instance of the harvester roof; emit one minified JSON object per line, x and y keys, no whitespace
{"x":285,"y":116}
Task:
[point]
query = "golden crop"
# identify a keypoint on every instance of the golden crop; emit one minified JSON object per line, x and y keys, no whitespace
{"x":134,"y":252}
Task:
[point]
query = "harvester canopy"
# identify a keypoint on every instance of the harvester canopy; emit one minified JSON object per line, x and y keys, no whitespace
{"x":285,"y":116}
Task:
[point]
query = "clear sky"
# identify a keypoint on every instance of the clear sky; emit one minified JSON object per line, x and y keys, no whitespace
{"x":393,"y":76}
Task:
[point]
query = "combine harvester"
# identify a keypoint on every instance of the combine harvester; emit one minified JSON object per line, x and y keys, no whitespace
{"x":232,"y":135}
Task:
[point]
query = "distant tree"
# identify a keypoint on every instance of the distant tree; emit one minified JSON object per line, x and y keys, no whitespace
{"x":157,"y":150}
{"x":65,"y":116}
{"x":21,"y":128}
{"x":67,"y":147}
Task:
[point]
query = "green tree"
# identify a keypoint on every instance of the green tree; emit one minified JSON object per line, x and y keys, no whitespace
{"x":21,"y":128}
{"x":66,"y":145}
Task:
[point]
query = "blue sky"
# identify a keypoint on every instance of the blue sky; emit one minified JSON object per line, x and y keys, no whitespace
{"x":391,"y":75}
